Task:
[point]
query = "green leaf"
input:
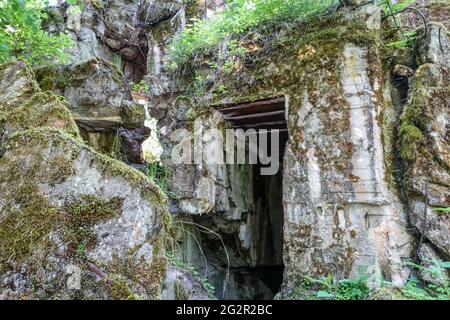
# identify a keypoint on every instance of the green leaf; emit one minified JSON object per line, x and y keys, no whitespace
{"x":442,"y":209}
{"x":26,"y":40}
{"x":324,"y":294}
{"x":4,"y":47}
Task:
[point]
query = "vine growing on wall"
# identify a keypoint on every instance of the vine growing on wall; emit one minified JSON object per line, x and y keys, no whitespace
{"x":22,"y":36}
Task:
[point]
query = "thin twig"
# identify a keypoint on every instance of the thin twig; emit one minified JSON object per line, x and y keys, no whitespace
{"x":227,"y":276}
{"x":416,"y":11}
{"x":199,"y":246}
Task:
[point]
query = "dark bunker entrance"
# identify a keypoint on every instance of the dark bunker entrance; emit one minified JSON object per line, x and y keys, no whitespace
{"x":261,"y":275}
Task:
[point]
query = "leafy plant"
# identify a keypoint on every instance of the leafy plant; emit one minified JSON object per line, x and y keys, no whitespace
{"x":140,"y":87}
{"x":407,"y":41}
{"x":22,"y":37}
{"x":174,"y":261}
{"x":352,"y":289}
{"x":438,"y":290}
{"x":238,"y":17}
{"x":328,"y":288}
{"x":414,"y":290}
{"x":442,"y":209}
{"x":116,"y":148}
{"x":159,"y":174}
{"x":117,"y":61}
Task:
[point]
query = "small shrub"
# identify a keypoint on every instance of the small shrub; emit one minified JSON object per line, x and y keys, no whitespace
{"x":159,"y":174}
{"x":174,"y":261}
{"x":22,"y":37}
{"x":328,"y":288}
{"x":239,"y":17}
{"x":440,"y":290}
{"x":140,"y":87}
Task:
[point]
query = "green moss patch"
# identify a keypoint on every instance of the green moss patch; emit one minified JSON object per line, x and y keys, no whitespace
{"x":147,"y":277}
{"x":120,"y":290}
{"x":429,"y":91}
{"x":81,"y":215}
{"x":13,"y":72}
{"x":410,"y":137}
{"x":109,"y":166}
{"x":22,"y":229}
{"x":27,"y":216}
{"x":98,"y":4}
{"x":44,"y":109}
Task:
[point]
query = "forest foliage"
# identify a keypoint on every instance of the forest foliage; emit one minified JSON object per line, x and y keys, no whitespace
{"x":22,"y":36}
{"x":238,"y":17}
{"x":241,"y":16}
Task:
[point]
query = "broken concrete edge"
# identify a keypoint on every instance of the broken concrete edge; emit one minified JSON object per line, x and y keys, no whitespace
{"x":42,"y":109}
{"x":95,"y":113}
{"x":33,"y":219}
{"x":112,"y":167}
{"x":28,"y":110}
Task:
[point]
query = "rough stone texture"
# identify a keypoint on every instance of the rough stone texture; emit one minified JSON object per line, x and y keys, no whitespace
{"x":338,"y":199}
{"x":17,"y":85}
{"x":121,"y":19}
{"x":182,"y":285}
{"x":131,"y":142}
{"x":110,"y":51}
{"x":351,"y":2}
{"x":425,"y":139}
{"x":74,"y":224}
{"x":388,"y":293}
{"x":162,"y":83}
{"x":436,"y":227}
{"x":46,"y":212}
{"x":86,"y":27}
{"x":433,"y":10}
{"x":159,"y":39}
{"x":43,"y":109}
{"x":430,"y":259}
{"x":99,"y":98}
{"x":434,"y":47}
{"x":154,"y":11}
{"x":342,"y":211}
{"x":24,"y":105}
{"x":211,"y":186}
{"x":113,"y":41}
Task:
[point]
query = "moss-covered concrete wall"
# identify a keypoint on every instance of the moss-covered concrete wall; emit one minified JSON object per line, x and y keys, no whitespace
{"x":342,"y":212}
{"x":74,"y":224}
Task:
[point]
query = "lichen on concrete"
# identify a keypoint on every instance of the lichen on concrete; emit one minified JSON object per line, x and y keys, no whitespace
{"x":68,"y":213}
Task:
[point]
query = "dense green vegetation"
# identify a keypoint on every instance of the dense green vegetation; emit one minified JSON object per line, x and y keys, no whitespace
{"x":330,"y":288}
{"x":438,"y":289}
{"x":238,"y":17}
{"x":241,"y":16}
{"x":22,"y":36}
